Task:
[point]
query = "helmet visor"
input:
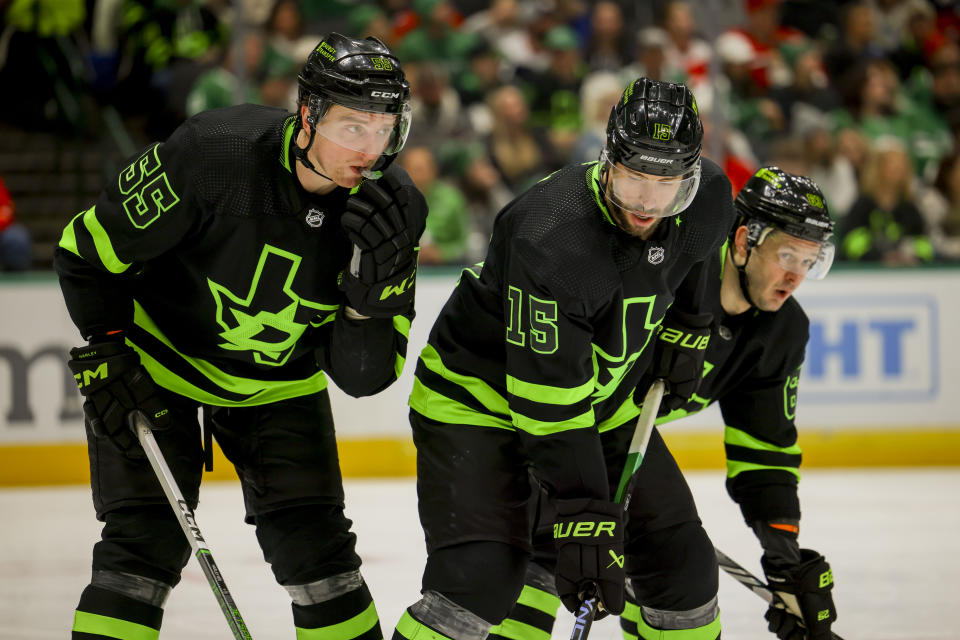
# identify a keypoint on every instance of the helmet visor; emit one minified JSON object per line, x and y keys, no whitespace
{"x":802,"y":257}
{"x":370,"y":132}
{"x":649,"y":195}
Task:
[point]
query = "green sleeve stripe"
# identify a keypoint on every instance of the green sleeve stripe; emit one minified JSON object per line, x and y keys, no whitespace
{"x":101,"y":241}
{"x":439,"y":407}
{"x":736,"y":437}
{"x":413,"y":630}
{"x":856,"y":243}
{"x":68,"y":240}
{"x":479,"y":389}
{"x":108,"y":627}
{"x":255,"y":392}
{"x":544,"y":428}
{"x":346,"y":630}
{"x":709,"y":631}
{"x":735,"y":468}
{"x":398,"y":365}
{"x":546,"y":394}
{"x":516,"y":630}
{"x":402,"y":325}
{"x":539,"y":599}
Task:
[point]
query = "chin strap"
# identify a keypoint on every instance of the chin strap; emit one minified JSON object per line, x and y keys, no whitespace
{"x":301,"y":153}
{"x":742,"y":277}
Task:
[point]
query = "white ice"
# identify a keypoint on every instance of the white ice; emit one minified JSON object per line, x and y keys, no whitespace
{"x":891,"y":537}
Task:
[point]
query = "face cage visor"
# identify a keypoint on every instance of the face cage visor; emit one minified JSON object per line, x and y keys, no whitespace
{"x":803,"y":257}
{"x":370,"y":132}
{"x":648,"y":195}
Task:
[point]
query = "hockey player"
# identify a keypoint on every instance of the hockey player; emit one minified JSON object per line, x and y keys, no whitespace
{"x":533,"y":361}
{"x":236,"y":266}
{"x":752,"y":369}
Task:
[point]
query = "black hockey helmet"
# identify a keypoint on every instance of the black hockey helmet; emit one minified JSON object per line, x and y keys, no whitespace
{"x":360,"y":74}
{"x":776,"y":199}
{"x":363,"y":75}
{"x":655,"y":128}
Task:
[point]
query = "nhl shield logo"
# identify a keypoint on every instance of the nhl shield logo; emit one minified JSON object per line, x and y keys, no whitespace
{"x":314,"y":217}
{"x":655,"y":255}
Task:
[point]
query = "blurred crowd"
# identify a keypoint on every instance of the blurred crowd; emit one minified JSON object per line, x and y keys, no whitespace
{"x":862,"y":96}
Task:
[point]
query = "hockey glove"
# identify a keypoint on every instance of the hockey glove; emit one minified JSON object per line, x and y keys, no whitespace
{"x":384,"y":226}
{"x":679,"y":355}
{"x":805,"y":591}
{"x":114,"y":383}
{"x":589,"y":538}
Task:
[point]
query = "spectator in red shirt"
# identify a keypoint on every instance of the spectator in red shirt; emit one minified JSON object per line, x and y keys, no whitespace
{"x":15,"y":253}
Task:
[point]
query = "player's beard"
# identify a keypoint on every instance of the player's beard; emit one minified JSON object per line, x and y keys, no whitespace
{"x":636,"y":227}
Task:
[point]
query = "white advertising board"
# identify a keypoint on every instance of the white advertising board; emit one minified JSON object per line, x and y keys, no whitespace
{"x":883,"y":353}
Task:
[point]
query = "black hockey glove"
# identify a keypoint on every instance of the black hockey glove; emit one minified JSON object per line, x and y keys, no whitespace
{"x":679,"y":355}
{"x":114,"y":383}
{"x":384,"y":226}
{"x":805,"y":591}
{"x":589,"y":539}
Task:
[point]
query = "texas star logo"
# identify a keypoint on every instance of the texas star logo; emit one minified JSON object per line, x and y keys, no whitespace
{"x":655,"y":255}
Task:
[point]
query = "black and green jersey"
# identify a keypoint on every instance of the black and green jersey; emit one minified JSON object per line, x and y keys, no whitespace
{"x":223,"y":271}
{"x":752,"y":370}
{"x":550,"y":335}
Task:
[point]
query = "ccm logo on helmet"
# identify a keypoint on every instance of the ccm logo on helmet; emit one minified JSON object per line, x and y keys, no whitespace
{"x":657,"y":160}
{"x":384,"y":94}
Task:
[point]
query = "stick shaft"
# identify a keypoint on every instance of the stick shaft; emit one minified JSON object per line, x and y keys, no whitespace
{"x":638,"y":447}
{"x":755,"y":584}
{"x":188,"y":523}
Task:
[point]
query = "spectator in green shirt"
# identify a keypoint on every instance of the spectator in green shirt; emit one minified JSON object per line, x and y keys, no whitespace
{"x":448,"y":224}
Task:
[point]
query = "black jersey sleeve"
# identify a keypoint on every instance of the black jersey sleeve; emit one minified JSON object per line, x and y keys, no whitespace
{"x":143,"y":212}
{"x":760,"y":437}
{"x":550,"y":372}
{"x":363,"y":357}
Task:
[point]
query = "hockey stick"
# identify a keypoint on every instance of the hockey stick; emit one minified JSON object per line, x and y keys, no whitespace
{"x":139,"y":422}
{"x":755,"y":584}
{"x":628,"y":478}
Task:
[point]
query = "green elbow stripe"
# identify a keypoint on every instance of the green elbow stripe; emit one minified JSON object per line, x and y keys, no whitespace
{"x":101,"y":240}
{"x":107,"y":627}
{"x":410,"y":629}
{"x":740,"y":438}
{"x":736,"y":467}
{"x":546,"y":394}
{"x":346,"y":630}
{"x":68,"y":240}
{"x":483,"y":392}
{"x":439,"y":407}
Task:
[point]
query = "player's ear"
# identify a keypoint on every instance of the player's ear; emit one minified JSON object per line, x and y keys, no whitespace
{"x":740,"y":244}
{"x":303,"y":118}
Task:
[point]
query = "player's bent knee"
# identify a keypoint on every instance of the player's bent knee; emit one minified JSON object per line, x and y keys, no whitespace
{"x":144,"y":541}
{"x":307,"y":543}
{"x":483,"y":577}
{"x":674,"y":569}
